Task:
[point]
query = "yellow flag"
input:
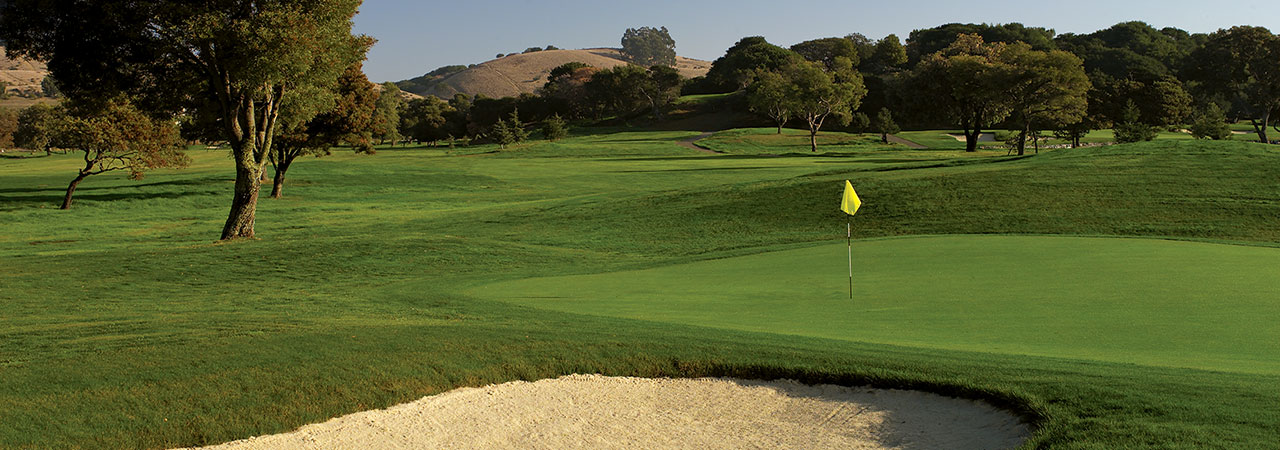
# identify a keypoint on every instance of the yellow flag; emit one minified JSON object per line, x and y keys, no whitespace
{"x":850,"y":202}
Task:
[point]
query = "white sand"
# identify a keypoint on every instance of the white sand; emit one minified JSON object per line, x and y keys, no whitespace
{"x":592,"y":411}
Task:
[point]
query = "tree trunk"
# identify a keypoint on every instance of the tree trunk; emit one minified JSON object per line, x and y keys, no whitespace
{"x":1022,"y":139}
{"x":66,"y":201}
{"x":244,"y":204}
{"x":779,"y":126}
{"x":884,"y":138}
{"x":277,"y":185}
{"x":1262,"y":130}
{"x":971,"y":139}
{"x":813,"y":139}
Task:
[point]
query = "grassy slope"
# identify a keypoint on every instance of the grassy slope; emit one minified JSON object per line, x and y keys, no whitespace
{"x":127,"y":326}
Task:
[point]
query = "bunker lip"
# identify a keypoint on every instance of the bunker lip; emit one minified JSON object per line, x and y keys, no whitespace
{"x":595,"y":411}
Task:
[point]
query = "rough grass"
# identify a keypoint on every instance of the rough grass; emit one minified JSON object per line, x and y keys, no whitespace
{"x":127,"y":326}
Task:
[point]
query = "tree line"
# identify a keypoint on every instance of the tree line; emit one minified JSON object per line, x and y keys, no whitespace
{"x":141,"y":77}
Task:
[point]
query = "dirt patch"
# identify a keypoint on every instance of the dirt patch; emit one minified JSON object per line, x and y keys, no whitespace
{"x":593,"y":411}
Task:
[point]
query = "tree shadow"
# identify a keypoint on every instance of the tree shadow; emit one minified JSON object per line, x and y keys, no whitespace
{"x":54,"y":195}
{"x":702,"y":169}
{"x":186,"y":182}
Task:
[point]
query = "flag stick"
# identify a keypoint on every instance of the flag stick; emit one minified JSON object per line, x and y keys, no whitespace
{"x":849,"y":237}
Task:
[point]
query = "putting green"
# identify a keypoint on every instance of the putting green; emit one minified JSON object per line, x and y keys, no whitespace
{"x":1150,"y":302}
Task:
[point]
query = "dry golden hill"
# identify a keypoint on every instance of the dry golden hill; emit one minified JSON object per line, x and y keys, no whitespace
{"x":524,"y":73}
{"x":21,"y":75}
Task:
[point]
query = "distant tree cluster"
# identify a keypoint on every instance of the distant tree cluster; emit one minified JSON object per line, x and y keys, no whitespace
{"x":649,"y":46}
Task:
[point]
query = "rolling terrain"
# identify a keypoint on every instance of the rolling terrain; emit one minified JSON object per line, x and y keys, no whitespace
{"x":379,"y":279}
{"x":513,"y":75}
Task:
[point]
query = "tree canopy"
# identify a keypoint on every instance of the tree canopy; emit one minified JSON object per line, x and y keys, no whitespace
{"x":1243,"y":63}
{"x":648,"y":46}
{"x":233,"y":59}
{"x":965,"y":82}
{"x":738,"y":66}
{"x":1044,"y":88}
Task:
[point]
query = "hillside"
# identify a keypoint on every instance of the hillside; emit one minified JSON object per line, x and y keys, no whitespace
{"x":21,"y":75}
{"x":524,"y":73}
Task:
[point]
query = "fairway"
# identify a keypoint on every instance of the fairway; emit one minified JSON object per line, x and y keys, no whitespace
{"x":1141,"y":301}
{"x":380,"y":279}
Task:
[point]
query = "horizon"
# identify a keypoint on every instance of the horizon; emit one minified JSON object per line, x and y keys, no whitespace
{"x":406,"y":49}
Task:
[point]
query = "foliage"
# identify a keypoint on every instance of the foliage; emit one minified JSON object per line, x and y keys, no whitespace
{"x":772,"y":96}
{"x":884,"y":124}
{"x":1210,"y":123}
{"x":509,"y":131}
{"x":924,"y":42}
{"x":814,"y":94}
{"x":1044,"y":89}
{"x":1074,"y":132}
{"x":624,"y":90}
{"x":425,"y":119}
{"x":566,"y":84}
{"x":648,"y":46}
{"x":965,"y":82}
{"x":1242,"y":62}
{"x":532,"y":50}
{"x":39,"y":126}
{"x":1131,"y":128}
{"x":826,"y":50}
{"x":119,"y":138}
{"x":9,"y":125}
{"x":386,"y":114}
{"x":554,"y":128}
{"x":348,"y":117}
{"x":738,"y":66}
{"x":859,"y":122}
{"x":242,"y":56}
{"x":49,"y":86}
{"x":889,"y":55}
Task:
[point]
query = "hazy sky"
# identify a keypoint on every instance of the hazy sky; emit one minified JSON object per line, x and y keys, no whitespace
{"x":415,"y":37}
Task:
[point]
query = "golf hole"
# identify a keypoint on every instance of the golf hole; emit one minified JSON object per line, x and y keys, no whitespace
{"x":593,"y":411}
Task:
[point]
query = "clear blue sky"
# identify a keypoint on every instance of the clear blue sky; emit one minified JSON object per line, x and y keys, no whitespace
{"x":415,"y":37}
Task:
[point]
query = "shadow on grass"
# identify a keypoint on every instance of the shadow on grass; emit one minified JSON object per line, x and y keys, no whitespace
{"x":187,"y":182}
{"x":702,"y":169}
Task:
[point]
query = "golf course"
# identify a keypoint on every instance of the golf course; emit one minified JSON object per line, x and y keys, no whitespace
{"x":1112,"y":297}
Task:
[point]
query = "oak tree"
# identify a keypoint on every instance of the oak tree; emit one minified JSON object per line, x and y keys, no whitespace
{"x":119,"y":137}
{"x":1047,"y":88}
{"x":966,"y":83}
{"x":241,"y":56}
{"x":649,"y":46}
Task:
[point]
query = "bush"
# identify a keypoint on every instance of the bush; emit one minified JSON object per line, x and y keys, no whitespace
{"x":554,"y":128}
{"x":1131,"y":129}
{"x":1210,"y":123}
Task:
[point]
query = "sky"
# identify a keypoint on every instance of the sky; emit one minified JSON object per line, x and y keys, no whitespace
{"x":415,"y":37}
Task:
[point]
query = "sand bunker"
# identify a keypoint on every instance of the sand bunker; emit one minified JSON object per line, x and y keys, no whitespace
{"x":592,"y":411}
{"x":984,"y":137}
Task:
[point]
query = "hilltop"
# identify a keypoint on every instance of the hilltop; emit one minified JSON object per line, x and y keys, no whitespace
{"x":515,"y":74}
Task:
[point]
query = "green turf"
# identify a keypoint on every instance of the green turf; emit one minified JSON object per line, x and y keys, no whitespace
{"x":1151,"y":302}
{"x":126,"y":325}
{"x":767,"y":141}
{"x":942,"y":139}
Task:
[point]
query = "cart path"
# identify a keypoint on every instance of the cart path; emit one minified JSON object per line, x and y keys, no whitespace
{"x":897,"y":140}
{"x":688,"y":143}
